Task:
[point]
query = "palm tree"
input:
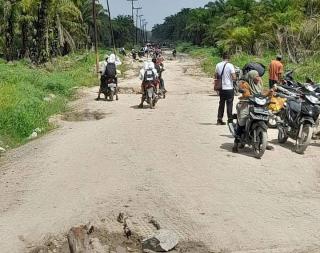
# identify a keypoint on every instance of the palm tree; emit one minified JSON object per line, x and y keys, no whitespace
{"x":9,"y":11}
{"x":27,"y":18}
{"x":67,"y":24}
{"x":42,"y":27}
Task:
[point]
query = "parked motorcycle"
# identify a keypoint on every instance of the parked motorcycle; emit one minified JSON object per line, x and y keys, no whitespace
{"x":299,"y":115}
{"x":255,"y":131}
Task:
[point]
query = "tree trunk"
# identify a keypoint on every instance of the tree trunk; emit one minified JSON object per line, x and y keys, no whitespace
{"x":24,"y":30}
{"x":9,"y":49}
{"x":42,"y":31}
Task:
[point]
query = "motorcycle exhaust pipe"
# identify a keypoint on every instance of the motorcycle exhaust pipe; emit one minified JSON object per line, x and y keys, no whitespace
{"x":300,"y":131}
{"x":232,"y":129}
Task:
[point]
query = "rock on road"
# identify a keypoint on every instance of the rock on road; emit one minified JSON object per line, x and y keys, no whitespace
{"x":172,"y":163}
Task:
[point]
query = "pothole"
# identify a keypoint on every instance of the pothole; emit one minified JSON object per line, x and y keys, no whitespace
{"x":128,"y":90}
{"x":117,"y":243}
{"x":85,"y":115}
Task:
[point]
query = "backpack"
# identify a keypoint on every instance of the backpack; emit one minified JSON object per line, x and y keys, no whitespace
{"x":254,"y":66}
{"x":111,"y":70}
{"x":149,"y":76}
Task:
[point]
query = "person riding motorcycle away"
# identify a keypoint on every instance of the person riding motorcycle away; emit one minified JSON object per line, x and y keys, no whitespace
{"x":249,"y":87}
{"x":123,"y":51}
{"x":108,"y":73}
{"x":174,"y":53}
{"x":160,"y":68}
{"x":146,"y":66}
{"x":134,"y":54}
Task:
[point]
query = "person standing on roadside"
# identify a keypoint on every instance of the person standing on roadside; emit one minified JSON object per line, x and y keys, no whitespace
{"x":275,"y":71}
{"x":225,"y":71}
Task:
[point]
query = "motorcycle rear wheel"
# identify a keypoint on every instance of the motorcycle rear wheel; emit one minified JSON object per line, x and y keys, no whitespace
{"x":111,"y":95}
{"x":303,"y":142}
{"x":151,"y":103}
{"x":282,"y":136}
{"x":259,"y":148}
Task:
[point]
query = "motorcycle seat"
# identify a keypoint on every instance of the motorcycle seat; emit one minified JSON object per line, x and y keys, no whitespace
{"x":294,"y":105}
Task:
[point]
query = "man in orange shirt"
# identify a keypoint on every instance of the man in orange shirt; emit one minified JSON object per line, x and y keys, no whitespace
{"x":275,"y":71}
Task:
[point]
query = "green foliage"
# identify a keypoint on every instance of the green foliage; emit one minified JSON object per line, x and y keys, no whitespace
{"x":43,"y":29}
{"x":23,"y":90}
{"x":210,"y":57}
{"x":248,"y":26}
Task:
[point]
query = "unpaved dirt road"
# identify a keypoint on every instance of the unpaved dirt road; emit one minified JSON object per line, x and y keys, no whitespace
{"x":172,"y":163}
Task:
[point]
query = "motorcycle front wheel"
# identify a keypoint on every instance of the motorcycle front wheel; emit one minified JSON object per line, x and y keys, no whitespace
{"x":260,"y":146}
{"x":303,"y":142}
{"x":272,"y":123}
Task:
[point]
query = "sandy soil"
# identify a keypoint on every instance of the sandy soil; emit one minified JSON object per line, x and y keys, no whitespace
{"x":172,"y":163}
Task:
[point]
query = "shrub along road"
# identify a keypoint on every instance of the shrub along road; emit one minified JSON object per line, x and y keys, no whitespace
{"x":172,"y":163}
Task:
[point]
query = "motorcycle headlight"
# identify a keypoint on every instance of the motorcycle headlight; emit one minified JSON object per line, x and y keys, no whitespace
{"x":312,"y":99}
{"x":261,"y":101}
{"x":309,"y":87}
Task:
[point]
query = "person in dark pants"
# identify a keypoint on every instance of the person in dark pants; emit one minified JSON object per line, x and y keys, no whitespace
{"x":226,"y":71}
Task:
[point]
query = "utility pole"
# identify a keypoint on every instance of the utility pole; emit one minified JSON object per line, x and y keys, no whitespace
{"x":94,"y":15}
{"x":132,"y":8}
{"x":111,"y":28}
{"x":143,"y":32}
{"x":146,"y":32}
{"x":137,"y":9}
{"x":140,"y":28}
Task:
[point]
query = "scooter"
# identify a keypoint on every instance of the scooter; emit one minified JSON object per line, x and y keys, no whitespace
{"x":255,"y":130}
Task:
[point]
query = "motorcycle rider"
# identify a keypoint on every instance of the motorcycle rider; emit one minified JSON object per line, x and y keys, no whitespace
{"x":251,"y":86}
{"x":134,"y":54}
{"x":160,"y":68}
{"x":108,"y":72}
{"x":146,"y":66}
{"x":174,"y":53}
{"x":123,"y":51}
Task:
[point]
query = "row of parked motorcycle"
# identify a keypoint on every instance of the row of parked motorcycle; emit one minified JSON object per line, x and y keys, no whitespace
{"x":295,"y":116}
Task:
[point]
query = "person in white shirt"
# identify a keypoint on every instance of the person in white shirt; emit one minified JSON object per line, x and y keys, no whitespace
{"x":147,"y":66}
{"x":227,"y":73}
{"x":109,"y":60}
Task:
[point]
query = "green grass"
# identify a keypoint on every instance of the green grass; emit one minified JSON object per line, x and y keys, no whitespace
{"x":23,"y":88}
{"x":210,"y":57}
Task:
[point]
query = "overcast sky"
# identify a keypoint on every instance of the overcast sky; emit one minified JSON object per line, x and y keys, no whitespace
{"x":154,"y":11}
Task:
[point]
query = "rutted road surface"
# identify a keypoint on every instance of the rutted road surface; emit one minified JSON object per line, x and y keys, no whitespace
{"x":172,"y":163}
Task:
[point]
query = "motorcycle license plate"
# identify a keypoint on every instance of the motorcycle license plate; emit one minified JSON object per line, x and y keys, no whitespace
{"x":150,"y":92}
{"x":261,"y":111}
{"x":112,"y":85}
